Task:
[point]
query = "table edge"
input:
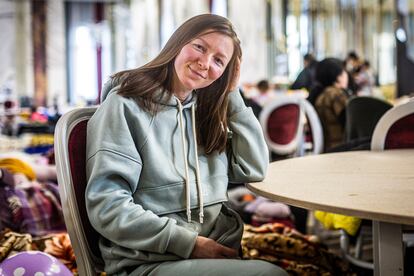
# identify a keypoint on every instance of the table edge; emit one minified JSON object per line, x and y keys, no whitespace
{"x":333,"y":209}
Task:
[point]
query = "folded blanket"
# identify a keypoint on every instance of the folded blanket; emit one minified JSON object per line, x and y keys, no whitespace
{"x":298,"y":254}
{"x":30,"y":206}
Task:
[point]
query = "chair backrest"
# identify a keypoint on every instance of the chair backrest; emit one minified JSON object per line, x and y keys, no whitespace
{"x":282,"y":122}
{"x":70,"y":155}
{"x":395,"y":129}
{"x":315,"y":125}
{"x":362,"y":115}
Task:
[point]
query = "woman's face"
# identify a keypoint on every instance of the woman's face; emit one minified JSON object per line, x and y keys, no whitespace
{"x":342,"y":80}
{"x":202,"y":61}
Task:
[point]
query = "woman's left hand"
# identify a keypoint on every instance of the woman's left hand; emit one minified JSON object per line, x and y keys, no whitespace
{"x":236,"y":78}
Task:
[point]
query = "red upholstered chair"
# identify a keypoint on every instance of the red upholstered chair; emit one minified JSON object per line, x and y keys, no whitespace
{"x":395,"y":129}
{"x":70,"y":153}
{"x":282,"y":121}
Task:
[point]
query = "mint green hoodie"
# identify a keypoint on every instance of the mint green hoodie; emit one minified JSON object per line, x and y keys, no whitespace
{"x":151,"y":190}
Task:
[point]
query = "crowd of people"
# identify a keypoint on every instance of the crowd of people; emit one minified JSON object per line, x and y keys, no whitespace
{"x":329,"y":83}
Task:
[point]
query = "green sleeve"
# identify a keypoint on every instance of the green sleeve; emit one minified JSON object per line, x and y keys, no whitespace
{"x":247,"y":153}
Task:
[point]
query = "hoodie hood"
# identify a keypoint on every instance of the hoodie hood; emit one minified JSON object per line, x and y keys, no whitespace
{"x":110,"y":87}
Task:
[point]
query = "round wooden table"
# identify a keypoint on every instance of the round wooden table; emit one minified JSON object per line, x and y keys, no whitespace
{"x":375,"y":185}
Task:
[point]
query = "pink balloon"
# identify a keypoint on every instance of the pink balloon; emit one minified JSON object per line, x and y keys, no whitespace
{"x":33,"y":263}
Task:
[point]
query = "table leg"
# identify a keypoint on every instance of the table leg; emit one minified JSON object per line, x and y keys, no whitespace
{"x":388,"y":249}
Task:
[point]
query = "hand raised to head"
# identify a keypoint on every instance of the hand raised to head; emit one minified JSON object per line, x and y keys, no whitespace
{"x":235,"y":80}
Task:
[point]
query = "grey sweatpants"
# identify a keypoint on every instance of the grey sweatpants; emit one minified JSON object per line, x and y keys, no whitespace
{"x":214,"y":267}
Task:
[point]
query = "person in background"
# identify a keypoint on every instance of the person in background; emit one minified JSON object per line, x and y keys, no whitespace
{"x":159,"y":159}
{"x":330,"y":98}
{"x":10,"y":119}
{"x":352,"y":62}
{"x":306,"y":77}
{"x":365,"y":79}
{"x":265,"y":93}
{"x":38,"y":115}
{"x":352,"y":65}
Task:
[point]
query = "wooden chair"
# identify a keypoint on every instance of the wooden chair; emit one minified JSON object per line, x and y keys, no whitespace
{"x":282,"y":122}
{"x":70,"y":154}
{"x":395,"y":130}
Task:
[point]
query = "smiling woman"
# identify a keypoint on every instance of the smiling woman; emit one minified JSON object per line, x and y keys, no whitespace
{"x":164,"y":76}
{"x":158,"y":152}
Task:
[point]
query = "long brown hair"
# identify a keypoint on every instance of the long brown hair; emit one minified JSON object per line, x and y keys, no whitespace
{"x":144,"y":83}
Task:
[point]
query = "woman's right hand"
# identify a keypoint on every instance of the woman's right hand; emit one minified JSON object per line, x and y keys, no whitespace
{"x":235,"y":80}
{"x":206,"y":248}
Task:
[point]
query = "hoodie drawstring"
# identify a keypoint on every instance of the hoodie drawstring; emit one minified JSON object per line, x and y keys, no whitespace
{"x":198,"y":178}
{"x":187,"y":177}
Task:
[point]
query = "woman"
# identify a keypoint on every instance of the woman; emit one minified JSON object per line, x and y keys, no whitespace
{"x":159,"y":159}
{"x":330,"y":98}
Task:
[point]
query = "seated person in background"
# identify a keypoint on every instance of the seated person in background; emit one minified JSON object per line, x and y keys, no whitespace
{"x":10,"y":119}
{"x":365,"y":79}
{"x":352,"y":64}
{"x":265,"y":93}
{"x":330,"y":98}
{"x":306,"y":77}
{"x":38,"y":115}
{"x":159,"y":161}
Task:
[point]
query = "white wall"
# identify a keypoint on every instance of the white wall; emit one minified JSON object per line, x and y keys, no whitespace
{"x":16,"y":72}
{"x":248,"y":17}
{"x":56,"y":52}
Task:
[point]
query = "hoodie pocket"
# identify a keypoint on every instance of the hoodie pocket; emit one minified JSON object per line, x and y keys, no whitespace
{"x":228,"y":229}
